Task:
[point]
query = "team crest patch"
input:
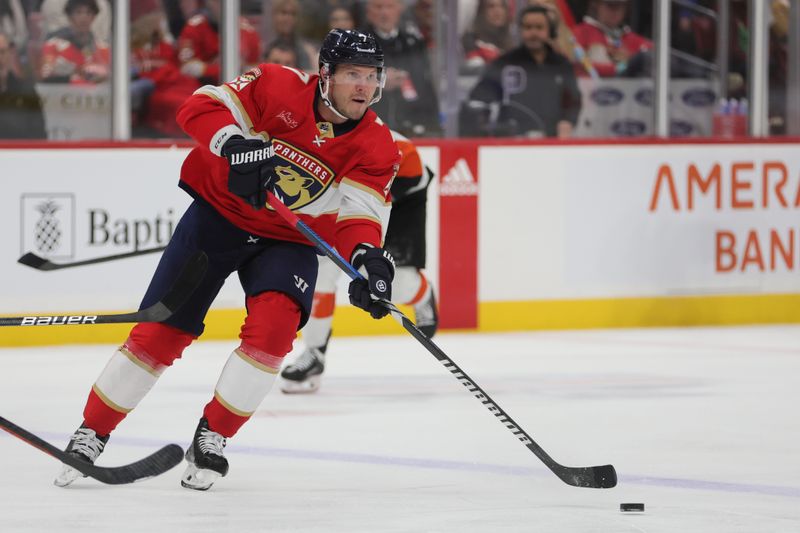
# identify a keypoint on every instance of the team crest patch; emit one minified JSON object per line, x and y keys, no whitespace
{"x":325,"y":130}
{"x":301,"y":178}
{"x":245,"y":79}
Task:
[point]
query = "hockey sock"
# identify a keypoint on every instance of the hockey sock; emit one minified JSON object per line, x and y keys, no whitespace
{"x":245,"y":381}
{"x":267,"y":335}
{"x":131,"y":373}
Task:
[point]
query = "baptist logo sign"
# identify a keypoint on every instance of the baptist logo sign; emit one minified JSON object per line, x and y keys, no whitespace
{"x":47,"y":224}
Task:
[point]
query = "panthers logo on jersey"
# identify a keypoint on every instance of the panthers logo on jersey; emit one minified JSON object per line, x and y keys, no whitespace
{"x":302,"y":178}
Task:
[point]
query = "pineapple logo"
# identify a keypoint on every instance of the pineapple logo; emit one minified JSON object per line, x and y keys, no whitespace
{"x":48,"y":224}
{"x":47,"y":232}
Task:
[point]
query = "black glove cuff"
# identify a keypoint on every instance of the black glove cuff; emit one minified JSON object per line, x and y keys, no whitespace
{"x":227,"y":146}
{"x":364,"y":253}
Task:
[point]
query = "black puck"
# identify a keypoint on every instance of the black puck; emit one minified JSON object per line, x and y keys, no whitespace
{"x":631,"y":507}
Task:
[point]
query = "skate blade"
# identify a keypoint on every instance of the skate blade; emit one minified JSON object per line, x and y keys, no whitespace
{"x":197,"y":478}
{"x":308,"y":386}
{"x":67,"y":476}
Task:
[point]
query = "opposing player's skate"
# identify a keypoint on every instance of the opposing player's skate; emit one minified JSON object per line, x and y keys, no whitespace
{"x":85,"y":445}
{"x":304,"y":375}
{"x":426,"y":316}
{"x":205,"y":458}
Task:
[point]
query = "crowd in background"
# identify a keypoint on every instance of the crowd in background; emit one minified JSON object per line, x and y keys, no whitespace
{"x":518,"y":71}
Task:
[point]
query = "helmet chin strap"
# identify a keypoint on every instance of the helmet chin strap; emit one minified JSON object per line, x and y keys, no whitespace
{"x":324,"y":87}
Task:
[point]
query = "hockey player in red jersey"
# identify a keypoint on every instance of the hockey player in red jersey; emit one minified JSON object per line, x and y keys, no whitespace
{"x":315,"y":143}
{"x":405,"y":240}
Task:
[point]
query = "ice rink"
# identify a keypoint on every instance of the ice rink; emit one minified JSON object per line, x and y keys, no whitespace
{"x":701,"y":424}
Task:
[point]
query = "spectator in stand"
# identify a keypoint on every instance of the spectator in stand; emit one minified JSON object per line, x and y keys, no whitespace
{"x":198,"y":45}
{"x":73,"y":54}
{"x":54,"y":18}
{"x":13,"y":24}
{"x":284,"y":24}
{"x":409,"y":104}
{"x":490,"y":35}
{"x":564,"y":43}
{"x":531,"y":89}
{"x":342,"y":18}
{"x":154,"y":63}
{"x":281,"y":53}
{"x":612,"y":47}
{"x":21,"y":114}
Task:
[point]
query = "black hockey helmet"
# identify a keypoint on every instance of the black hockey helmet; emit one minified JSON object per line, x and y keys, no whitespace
{"x":350,"y":47}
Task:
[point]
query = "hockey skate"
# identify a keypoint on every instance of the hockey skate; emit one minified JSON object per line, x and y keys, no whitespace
{"x":205,"y":458}
{"x":426,"y":316}
{"x":304,"y":375}
{"x":85,"y":445}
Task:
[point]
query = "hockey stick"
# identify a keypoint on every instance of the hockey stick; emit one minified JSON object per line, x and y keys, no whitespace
{"x":598,"y":477}
{"x":188,"y":280}
{"x":151,"y":466}
{"x":40,"y":263}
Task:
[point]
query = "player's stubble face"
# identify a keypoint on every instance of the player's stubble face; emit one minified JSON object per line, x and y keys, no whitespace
{"x":352,"y":89}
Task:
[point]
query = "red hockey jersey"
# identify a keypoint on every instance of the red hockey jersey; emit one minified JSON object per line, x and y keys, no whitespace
{"x":158,"y":62}
{"x":337,"y":184}
{"x":600,"y":45}
{"x":65,"y":60}
{"x":199,"y":43}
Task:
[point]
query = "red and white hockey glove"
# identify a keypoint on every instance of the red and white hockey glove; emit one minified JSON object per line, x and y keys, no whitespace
{"x":252,"y":169}
{"x":378,"y":265}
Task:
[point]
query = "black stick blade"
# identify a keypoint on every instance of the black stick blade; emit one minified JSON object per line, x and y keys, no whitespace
{"x":34,"y":261}
{"x":40,"y":263}
{"x":593,"y":477}
{"x":154,"y":464}
{"x":192,"y":274}
{"x":190,"y":277}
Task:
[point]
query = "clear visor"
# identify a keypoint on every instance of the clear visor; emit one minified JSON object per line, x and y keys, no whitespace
{"x":370,"y":79}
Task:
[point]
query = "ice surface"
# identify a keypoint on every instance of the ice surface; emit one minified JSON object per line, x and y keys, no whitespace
{"x":701,"y":424}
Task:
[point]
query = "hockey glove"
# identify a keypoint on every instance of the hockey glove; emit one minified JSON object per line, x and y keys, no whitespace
{"x":252,"y":169}
{"x":379,"y":267}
